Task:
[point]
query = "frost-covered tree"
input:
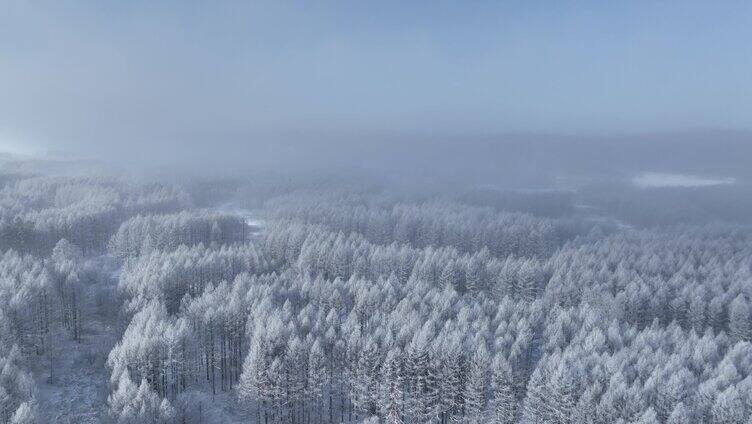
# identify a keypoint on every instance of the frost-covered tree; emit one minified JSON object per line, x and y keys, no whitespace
{"x":503,"y":400}
{"x":740,"y":319}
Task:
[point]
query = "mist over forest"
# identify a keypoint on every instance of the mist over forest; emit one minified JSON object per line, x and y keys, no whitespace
{"x":375,"y":212}
{"x":353,"y":294}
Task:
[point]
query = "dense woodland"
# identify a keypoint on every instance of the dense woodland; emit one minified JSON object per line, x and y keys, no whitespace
{"x":356,"y":302}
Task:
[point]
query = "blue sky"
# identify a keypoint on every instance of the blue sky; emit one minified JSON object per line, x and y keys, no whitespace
{"x":94,"y":75}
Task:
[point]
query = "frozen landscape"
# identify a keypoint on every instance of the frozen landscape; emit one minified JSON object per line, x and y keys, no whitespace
{"x":338,"y":212}
{"x":353,"y":300}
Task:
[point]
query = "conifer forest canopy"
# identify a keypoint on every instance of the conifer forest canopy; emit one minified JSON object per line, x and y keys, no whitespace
{"x":278,"y":212}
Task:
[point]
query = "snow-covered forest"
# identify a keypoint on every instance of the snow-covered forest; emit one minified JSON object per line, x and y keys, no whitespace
{"x":330,"y":301}
{"x":375,"y":212}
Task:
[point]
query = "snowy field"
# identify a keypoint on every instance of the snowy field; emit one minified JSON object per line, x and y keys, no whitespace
{"x":659,"y":180}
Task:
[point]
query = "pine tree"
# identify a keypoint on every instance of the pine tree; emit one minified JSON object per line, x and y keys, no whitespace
{"x":728,"y":407}
{"x":562,"y":389}
{"x":366,"y":379}
{"x":476,"y":385}
{"x":528,"y":280}
{"x":120,"y":400}
{"x":740,"y":319}
{"x":504,"y":402}
{"x":392,"y":396}
{"x":448,"y":277}
{"x":680,"y":415}
{"x":256,"y":383}
{"x":316,"y":376}
{"x":649,"y":417}
{"x":537,"y":405}
{"x":421,"y":378}
{"x":697,"y":313}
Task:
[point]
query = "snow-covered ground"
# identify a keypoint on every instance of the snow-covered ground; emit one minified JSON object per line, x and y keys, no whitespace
{"x":73,"y":386}
{"x":77,"y":392}
{"x":660,"y":179}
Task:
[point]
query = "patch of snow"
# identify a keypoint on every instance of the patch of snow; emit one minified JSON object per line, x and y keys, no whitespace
{"x":254,"y":222}
{"x":659,"y":180}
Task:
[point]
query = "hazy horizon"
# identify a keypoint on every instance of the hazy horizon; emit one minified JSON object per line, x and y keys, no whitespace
{"x":183,"y":83}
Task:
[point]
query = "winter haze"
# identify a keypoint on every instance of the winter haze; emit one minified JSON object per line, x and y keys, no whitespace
{"x":375,"y":212}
